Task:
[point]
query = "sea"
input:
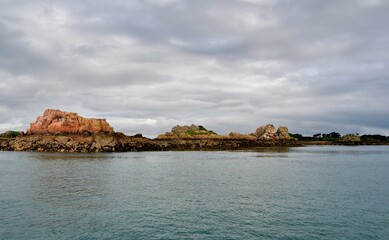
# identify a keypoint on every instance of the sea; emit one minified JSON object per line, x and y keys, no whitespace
{"x":315,"y":192}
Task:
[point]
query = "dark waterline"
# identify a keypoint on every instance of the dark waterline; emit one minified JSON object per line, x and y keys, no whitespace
{"x":326,"y":192}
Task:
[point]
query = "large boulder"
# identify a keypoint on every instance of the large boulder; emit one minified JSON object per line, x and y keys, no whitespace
{"x":283,"y":133}
{"x":269,"y":132}
{"x":59,"y":122}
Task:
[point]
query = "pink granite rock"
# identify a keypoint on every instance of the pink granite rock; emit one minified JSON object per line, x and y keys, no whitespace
{"x":59,"y":122}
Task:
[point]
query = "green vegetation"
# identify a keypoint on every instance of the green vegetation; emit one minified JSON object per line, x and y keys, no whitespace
{"x":9,"y":134}
{"x":376,"y":138}
{"x":202,"y":128}
{"x":199,"y":132}
{"x":297,"y":136}
{"x":331,"y":137}
{"x":336,"y":137}
{"x":191,"y":132}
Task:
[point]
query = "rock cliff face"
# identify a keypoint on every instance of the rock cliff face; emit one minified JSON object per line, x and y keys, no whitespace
{"x":59,"y":122}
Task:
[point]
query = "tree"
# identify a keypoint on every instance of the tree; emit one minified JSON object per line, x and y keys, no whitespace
{"x":334,"y":135}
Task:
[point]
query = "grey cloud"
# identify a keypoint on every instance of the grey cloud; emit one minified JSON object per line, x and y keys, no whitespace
{"x":16,"y":57}
{"x":229,"y":65}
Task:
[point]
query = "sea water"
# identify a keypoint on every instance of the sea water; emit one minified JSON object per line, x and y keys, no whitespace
{"x":320,"y":192}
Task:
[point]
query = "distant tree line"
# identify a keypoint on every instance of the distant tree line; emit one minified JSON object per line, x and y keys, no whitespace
{"x":374,"y":138}
{"x":335,"y":136}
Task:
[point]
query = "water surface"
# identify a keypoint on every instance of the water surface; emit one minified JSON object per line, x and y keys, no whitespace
{"x":318,"y":192}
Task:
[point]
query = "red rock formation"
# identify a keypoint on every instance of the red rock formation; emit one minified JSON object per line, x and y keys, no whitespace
{"x":59,"y":122}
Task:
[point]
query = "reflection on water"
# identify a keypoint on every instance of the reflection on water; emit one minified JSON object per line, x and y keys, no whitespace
{"x":273,"y":149}
{"x":71,"y":156}
{"x":342,"y":150}
{"x":272,"y":152}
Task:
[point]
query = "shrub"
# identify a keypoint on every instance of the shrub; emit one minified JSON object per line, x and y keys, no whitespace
{"x":9,"y":134}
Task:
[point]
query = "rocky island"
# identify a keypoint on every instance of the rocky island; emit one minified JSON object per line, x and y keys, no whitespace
{"x":199,"y":138}
{"x":59,"y":131}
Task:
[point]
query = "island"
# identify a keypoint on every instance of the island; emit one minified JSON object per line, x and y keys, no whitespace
{"x":60,"y":131}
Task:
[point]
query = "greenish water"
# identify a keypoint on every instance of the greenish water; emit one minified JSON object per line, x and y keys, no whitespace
{"x":327,"y":192}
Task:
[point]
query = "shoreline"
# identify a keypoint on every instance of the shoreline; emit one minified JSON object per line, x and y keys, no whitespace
{"x":118,"y":142}
{"x":329,"y":143}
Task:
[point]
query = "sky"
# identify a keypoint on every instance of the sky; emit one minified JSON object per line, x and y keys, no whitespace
{"x":229,"y":65}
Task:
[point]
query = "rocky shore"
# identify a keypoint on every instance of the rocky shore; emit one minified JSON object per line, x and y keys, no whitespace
{"x":58,"y":131}
{"x":118,"y":142}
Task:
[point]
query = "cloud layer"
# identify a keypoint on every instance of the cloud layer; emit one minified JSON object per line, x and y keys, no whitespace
{"x":230,"y":65}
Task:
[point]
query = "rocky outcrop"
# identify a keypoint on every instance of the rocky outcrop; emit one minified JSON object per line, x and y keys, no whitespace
{"x":195,"y":138}
{"x":118,"y":142}
{"x":188,"y":132}
{"x":266,"y":132}
{"x":219,"y":144}
{"x":6,"y":144}
{"x":350,"y":139}
{"x":101,"y":142}
{"x":59,"y":122}
{"x":235,"y":135}
{"x":269,"y":132}
{"x":283,"y":133}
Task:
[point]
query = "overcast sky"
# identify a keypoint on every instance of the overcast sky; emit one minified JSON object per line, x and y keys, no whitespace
{"x":229,"y":65}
